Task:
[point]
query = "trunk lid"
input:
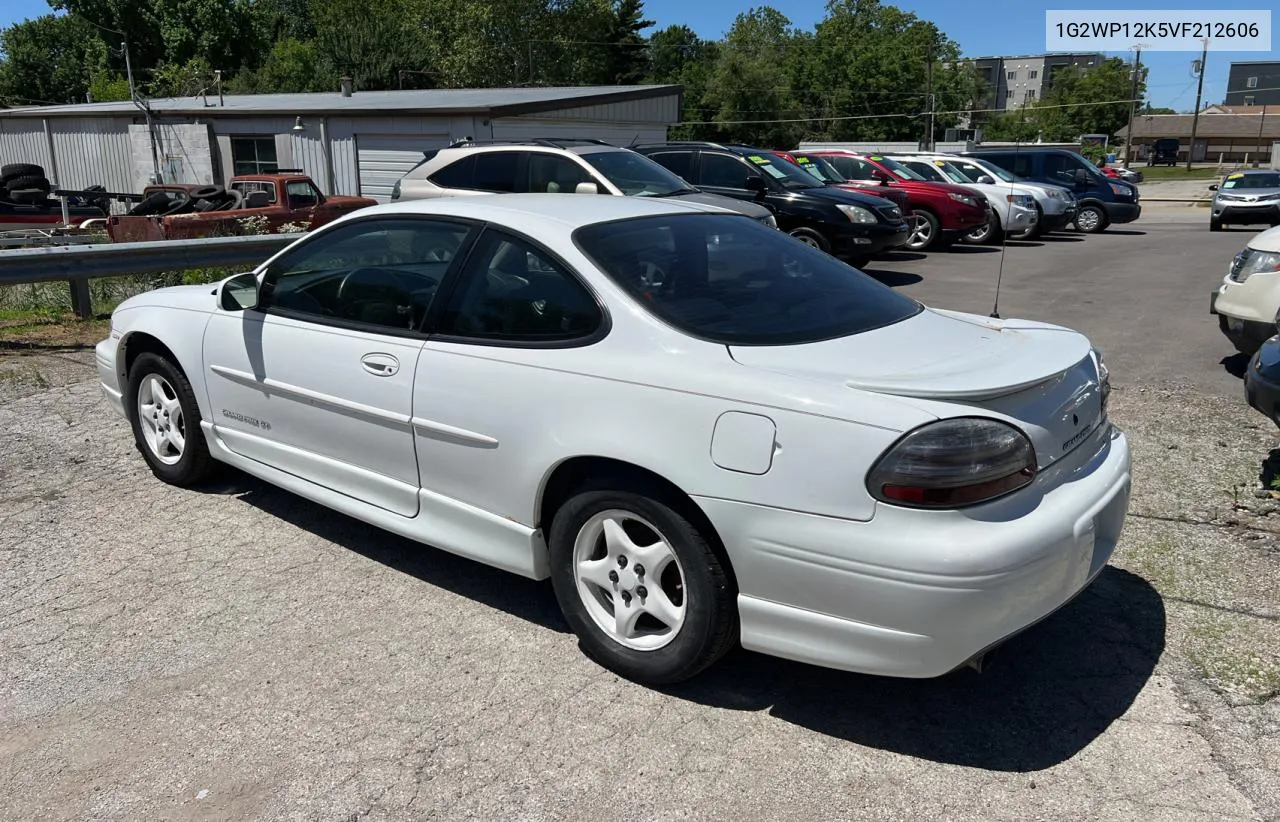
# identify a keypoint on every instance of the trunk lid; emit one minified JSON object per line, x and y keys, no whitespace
{"x":1040,"y":376}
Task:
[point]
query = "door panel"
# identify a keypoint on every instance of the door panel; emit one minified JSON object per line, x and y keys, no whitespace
{"x":302,"y":397}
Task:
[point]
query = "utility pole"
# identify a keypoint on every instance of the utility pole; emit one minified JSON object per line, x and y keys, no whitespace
{"x":928,"y":74}
{"x":146,"y":111}
{"x":1133,"y":102}
{"x":1261,"y":122}
{"x":1195,"y":118}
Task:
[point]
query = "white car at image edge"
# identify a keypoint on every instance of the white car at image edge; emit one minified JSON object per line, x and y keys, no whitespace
{"x":703,"y":431}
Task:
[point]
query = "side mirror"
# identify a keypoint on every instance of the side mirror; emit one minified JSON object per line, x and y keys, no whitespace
{"x":984,"y":180}
{"x":1213,"y":187}
{"x":586,"y":188}
{"x":239,"y":293}
{"x":1082,"y":177}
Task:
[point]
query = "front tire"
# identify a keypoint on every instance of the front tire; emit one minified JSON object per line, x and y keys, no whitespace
{"x":811,"y":238}
{"x":1215,"y":225}
{"x":991,"y":233}
{"x":1091,"y":219}
{"x":165,"y":419}
{"x":640,"y":584}
{"x":927,"y":231}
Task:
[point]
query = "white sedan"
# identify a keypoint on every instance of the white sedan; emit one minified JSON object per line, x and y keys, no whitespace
{"x":701,"y":430}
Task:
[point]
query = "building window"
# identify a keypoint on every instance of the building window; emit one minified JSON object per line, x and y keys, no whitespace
{"x":253,"y":155}
{"x":1033,"y":75}
{"x":1248,"y":101}
{"x":1012,"y":75}
{"x":1251,"y":82}
{"x":1031,"y":94}
{"x":1009,"y":94}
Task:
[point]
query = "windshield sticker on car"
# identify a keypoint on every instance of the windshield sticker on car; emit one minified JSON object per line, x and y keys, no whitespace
{"x":774,"y":172}
{"x":876,"y":157}
{"x":758,"y":160}
{"x":939,"y":163}
{"x":804,"y":161}
{"x":1235,"y":176}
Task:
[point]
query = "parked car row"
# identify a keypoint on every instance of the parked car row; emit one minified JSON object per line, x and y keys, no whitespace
{"x":852,"y":205}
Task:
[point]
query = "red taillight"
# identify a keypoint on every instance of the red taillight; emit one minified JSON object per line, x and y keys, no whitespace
{"x":954,"y":463}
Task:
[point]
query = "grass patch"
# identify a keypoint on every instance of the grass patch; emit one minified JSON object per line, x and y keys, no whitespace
{"x":1152,"y":173}
{"x":32,"y":303}
{"x":1229,"y":652}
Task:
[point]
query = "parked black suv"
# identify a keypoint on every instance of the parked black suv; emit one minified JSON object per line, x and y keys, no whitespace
{"x":847,"y":224}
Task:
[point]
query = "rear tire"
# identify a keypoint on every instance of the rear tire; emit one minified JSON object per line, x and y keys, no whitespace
{"x":165,"y":418}
{"x":677,"y":617}
{"x":28,"y":182}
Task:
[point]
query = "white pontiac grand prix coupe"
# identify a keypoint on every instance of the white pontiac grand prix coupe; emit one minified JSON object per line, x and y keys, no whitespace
{"x":702,"y":430}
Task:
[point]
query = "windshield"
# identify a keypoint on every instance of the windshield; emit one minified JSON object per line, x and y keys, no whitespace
{"x":820,"y":169}
{"x":635,"y":174}
{"x":951,"y":172}
{"x":734,"y":280}
{"x":896,"y":168}
{"x":1251,"y":181}
{"x":787,"y":173}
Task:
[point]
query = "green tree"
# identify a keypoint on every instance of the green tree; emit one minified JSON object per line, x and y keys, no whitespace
{"x":627,"y":60}
{"x":291,"y":66}
{"x":1086,"y":101}
{"x":48,"y":59}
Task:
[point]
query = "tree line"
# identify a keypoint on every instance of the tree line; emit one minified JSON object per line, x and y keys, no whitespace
{"x":867,"y":71}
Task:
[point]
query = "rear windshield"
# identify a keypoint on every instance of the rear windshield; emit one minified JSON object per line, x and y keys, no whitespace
{"x":733,"y":280}
{"x":1252,"y":181}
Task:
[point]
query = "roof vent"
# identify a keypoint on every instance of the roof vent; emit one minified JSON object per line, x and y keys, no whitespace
{"x":346,"y":86}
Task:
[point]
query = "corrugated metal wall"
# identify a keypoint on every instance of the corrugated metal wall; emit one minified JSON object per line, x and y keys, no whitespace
{"x":93,"y":151}
{"x":665,"y":110}
{"x":23,"y":141}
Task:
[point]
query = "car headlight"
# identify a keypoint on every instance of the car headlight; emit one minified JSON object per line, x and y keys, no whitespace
{"x":962,"y":198}
{"x":857,"y":214}
{"x":1024,"y":200}
{"x":1121,"y":191}
{"x":1250,"y":262}
{"x":771,"y":221}
{"x":1057,"y":194}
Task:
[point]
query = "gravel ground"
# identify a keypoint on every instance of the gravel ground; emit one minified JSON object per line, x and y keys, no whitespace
{"x":241,"y":653}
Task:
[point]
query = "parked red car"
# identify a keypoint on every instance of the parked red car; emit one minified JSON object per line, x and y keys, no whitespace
{"x":826,"y":173}
{"x":941,"y":212}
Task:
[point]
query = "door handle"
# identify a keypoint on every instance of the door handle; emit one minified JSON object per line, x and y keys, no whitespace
{"x":380,"y":365}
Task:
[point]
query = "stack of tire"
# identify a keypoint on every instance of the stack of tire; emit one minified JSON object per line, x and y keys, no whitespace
{"x":24,"y":183}
{"x":205,"y":198}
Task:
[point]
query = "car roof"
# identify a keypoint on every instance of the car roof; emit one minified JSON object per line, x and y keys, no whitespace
{"x":564,"y":209}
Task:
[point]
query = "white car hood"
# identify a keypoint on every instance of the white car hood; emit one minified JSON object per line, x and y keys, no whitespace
{"x":934,"y":355}
{"x":1268,"y":240}
{"x":189,"y":297}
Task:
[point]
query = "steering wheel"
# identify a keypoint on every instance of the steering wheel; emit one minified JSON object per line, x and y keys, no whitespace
{"x":385,"y":283}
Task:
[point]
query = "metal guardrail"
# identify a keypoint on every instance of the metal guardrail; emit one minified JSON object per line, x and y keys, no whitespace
{"x":78,"y":264}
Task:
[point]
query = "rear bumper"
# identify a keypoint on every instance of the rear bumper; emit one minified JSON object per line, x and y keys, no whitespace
{"x":917,"y":594}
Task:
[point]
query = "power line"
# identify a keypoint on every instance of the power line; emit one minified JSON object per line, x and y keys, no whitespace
{"x":885,"y":116}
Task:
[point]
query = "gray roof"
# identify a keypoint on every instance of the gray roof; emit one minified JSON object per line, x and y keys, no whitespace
{"x":1222,"y":126}
{"x":493,"y":101}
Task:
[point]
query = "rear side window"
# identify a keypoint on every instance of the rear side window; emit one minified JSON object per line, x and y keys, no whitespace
{"x":496,"y":171}
{"x":852,"y":168}
{"x":736,"y":281}
{"x":679,"y":163}
{"x":457,"y":174}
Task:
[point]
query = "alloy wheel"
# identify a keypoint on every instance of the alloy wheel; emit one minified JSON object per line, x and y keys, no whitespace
{"x":160,"y":416}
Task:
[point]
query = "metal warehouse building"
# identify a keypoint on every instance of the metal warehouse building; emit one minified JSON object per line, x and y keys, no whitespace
{"x":349,"y":142}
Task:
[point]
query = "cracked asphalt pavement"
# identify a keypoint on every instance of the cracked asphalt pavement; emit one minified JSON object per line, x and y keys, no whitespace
{"x":240,"y":653}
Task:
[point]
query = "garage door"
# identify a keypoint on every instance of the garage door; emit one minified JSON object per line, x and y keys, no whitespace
{"x":385,"y":158}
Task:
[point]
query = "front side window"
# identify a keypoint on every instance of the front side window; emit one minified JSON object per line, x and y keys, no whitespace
{"x":925,"y":171}
{"x":1062,"y":168}
{"x":679,"y":163}
{"x":636,"y":175}
{"x":253,"y":155}
{"x":853,"y":168}
{"x":554,"y":174}
{"x":381,"y":273}
{"x":514,"y":292}
{"x":733,"y":280}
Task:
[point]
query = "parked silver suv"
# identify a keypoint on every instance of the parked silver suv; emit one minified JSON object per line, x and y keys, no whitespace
{"x":559,"y":165}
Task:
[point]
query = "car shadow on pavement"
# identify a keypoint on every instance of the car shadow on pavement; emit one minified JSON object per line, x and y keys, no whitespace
{"x":1061,"y":238}
{"x":1237,"y":365}
{"x":1126,"y":232}
{"x":1042,"y":697}
{"x":973,"y":249}
{"x":519,"y":596}
{"x":901,"y":256}
{"x":893,"y":279}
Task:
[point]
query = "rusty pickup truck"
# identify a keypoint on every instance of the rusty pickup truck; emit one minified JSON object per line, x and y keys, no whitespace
{"x":251,"y":203}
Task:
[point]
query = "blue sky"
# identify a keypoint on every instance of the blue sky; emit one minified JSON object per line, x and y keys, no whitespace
{"x":989,"y":28}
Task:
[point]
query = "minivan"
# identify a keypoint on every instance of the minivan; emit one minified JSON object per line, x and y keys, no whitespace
{"x":1101,"y":200}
